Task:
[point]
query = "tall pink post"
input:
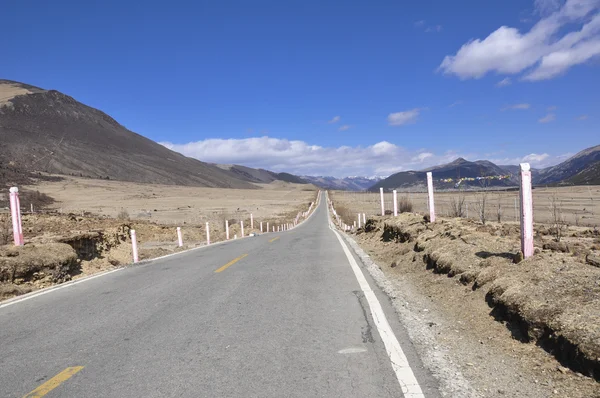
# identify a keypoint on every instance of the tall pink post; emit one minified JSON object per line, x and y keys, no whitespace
{"x":134,"y":246}
{"x":251,"y":221}
{"x":242,"y":225}
{"x":15,"y":212}
{"x":526,"y":200}
{"x":395,"y":195}
{"x":227,"y":229}
{"x":207,"y":234}
{"x":430,"y":195}
{"x":179,"y":237}
{"x":382,"y":202}
{"x":267,"y":226}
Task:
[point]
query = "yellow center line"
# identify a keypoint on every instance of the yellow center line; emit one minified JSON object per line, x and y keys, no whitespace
{"x":229,"y":264}
{"x":273,"y":240}
{"x":54,"y":382}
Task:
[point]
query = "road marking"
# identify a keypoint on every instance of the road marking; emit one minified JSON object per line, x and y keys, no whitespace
{"x":54,"y":382}
{"x":273,"y":240}
{"x":229,"y":264}
{"x":408,"y":382}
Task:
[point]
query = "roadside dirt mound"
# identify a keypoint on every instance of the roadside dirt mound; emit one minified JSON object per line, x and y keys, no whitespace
{"x":552,"y":299}
{"x":35,"y":265}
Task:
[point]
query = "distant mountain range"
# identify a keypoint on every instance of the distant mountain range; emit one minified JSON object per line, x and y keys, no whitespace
{"x":583,"y":168}
{"x":353,"y":183}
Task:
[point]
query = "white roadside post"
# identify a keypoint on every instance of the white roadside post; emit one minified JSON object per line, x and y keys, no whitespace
{"x":261,"y":228}
{"x":207,"y":234}
{"x":15,"y":212}
{"x":227,"y":229}
{"x":382,"y":202}
{"x":179,"y":237}
{"x":364,"y":219}
{"x":251,"y":221}
{"x":430,"y":196}
{"x":273,"y":228}
{"x":134,"y":246}
{"x":242,"y":225}
{"x":358,"y":220}
{"x":395,"y":195}
{"x":526,"y":211}
{"x":267,"y":226}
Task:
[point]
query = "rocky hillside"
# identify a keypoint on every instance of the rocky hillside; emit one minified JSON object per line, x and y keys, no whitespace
{"x":48,"y":131}
{"x":260,"y":176}
{"x":566,"y":172}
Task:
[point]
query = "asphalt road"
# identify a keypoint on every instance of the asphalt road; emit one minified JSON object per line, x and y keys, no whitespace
{"x":288,"y":319}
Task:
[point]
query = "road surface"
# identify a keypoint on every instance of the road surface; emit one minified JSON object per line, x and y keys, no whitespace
{"x":278,"y":315}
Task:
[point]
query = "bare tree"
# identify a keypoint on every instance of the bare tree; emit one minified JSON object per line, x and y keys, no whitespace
{"x":481,"y":201}
{"x":458,"y":205}
{"x":499,"y":209}
{"x":559,"y":224}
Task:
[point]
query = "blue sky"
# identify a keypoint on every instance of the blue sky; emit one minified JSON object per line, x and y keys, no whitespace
{"x":325,"y":87}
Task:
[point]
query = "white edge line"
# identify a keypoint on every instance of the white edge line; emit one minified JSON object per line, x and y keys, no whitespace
{"x":50,"y":289}
{"x":408,"y":382}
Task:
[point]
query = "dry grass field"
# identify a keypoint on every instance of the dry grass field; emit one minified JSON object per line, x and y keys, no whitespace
{"x":175,"y":205}
{"x":578,"y":205}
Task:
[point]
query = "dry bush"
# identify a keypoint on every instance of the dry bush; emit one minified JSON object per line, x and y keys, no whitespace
{"x":405,"y":205}
{"x":457,"y":205}
{"x":499,"y":210}
{"x":123,"y":215}
{"x":5,"y":229}
{"x":559,"y":224}
{"x":480,"y":206}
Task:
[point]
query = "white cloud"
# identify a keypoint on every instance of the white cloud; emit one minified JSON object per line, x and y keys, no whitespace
{"x":548,"y":118}
{"x":405,"y":117}
{"x":552,"y":46}
{"x":420,"y":23}
{"x":552,"y":108}
{"x":535,"y":158}
{"x":436,"y":28}
{"x":521,"y":107}
{"x":334,"y":120}
{"x":301,"y":158}
{"x":455,"y":104}
{"x":582,"y":117}
{"x":504,"y":82}
{"x":344,"y":127}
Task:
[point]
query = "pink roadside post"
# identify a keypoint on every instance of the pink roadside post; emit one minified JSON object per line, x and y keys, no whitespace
{"x":15,"y":212}
{"x":526,"y":199}
{"x":430,"y":197}
{"x":395,"y":198}
{"x":179,"y":237}
{"x":207,"y":234}
{"x":382,"y":202}
{"x":134,"y":246}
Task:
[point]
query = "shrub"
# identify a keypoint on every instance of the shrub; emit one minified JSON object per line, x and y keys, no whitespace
{"x":405,"y":205}
{"x":123,"y":215}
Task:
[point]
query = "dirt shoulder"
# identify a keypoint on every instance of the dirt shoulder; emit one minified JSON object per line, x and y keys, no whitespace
{"x":512,"y":328}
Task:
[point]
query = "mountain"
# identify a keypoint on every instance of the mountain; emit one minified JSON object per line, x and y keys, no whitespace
{"x":567,"y":170}
{"x":47,"y":131}
{"x":260,"y":176}
{"x":588,"y":176}
{"x":353,"y":183}
{"x":452,"y":173}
